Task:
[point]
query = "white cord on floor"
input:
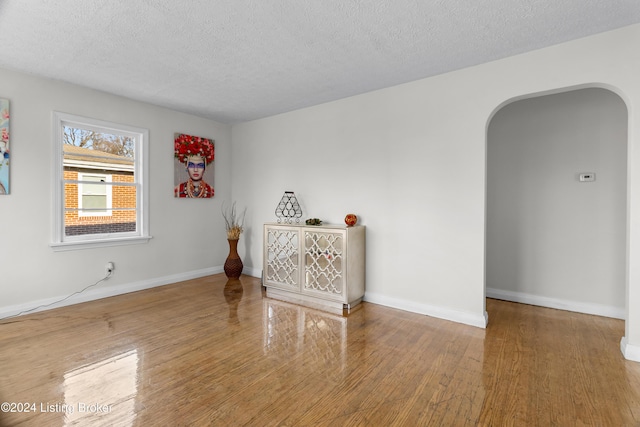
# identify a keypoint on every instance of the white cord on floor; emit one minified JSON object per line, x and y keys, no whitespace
{"x":58,"y":301}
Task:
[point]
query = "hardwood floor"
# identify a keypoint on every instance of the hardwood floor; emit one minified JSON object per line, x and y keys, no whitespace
{"x":207,"y":352}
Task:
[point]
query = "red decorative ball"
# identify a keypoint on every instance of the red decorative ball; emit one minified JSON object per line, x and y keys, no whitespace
{"x":350,"y":219}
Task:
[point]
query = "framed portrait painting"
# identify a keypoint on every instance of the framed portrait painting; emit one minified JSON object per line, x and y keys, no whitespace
{"x":193,"y":167}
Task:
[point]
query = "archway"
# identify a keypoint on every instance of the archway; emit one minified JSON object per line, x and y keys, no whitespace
{"x":552,"y":238}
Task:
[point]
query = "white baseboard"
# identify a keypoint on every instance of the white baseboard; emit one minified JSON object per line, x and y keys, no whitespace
{"x":466,"y":318}
{"x":630,"y":352}
{"x":103,"y":292}
{"x":561,"y":304}
{"x":253,"y":272}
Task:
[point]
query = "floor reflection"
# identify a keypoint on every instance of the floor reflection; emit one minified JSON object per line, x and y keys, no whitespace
{"x":102,"y":393}
{"x":317,"y":337}
{"x":233,"y":291}
{"x":168,"y":357}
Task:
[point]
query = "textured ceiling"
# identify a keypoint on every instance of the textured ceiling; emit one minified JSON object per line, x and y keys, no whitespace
{"x":238,"y":60}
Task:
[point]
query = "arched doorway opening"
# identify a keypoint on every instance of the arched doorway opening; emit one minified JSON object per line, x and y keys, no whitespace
{"x":557,"y":202}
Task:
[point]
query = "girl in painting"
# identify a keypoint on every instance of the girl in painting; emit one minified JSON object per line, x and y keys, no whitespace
{"x":195,"y":153}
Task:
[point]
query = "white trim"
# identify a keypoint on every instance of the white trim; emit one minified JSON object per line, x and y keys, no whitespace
{"x":466,"y":318}
{"x":105,"y":292}
{"x":98,"y":243}
{"x":253,"y":272}
{"x":428,"y":310}
{"x":629,"y":351}
{"x":557,"y":303}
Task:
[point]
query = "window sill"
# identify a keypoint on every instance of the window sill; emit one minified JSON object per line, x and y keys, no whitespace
{"x":91,"y":244}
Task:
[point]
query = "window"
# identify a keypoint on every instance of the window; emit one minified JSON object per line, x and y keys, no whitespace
{"x":100,"y":194}
{"x":94,"y":199}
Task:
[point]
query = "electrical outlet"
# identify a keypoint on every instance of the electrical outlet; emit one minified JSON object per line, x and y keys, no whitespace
{"x":109,"y":268}
{"x":587,"y":177}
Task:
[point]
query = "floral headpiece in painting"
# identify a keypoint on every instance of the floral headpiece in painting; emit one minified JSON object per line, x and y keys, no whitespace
{"x":187,"y":145}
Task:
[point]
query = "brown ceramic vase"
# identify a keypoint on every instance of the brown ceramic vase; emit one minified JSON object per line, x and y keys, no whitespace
{"x":233,"y":265}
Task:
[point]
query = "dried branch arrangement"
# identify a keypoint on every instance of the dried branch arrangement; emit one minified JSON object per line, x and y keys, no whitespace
{"x":233,"y":221}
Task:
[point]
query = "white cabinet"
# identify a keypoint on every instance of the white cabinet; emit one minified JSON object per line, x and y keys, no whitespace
{"x":316,"y":266}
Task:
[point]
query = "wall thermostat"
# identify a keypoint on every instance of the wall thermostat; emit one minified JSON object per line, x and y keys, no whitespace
{"x":587,"y":177}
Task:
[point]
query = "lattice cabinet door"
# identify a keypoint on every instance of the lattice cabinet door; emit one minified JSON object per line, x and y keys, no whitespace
{"x":324,"y":254}
{"x":282,"y":257}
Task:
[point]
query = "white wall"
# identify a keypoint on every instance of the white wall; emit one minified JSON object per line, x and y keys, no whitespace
{"x":410,"y":161}
{"x":188,"y":235}
{"x":551,"y":239}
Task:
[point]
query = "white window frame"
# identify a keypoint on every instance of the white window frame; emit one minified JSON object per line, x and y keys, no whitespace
{"x":60,"y":241}
{"x":108,"y":194}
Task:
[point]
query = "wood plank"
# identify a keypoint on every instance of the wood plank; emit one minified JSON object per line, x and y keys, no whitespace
{"x":212,"y":352}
